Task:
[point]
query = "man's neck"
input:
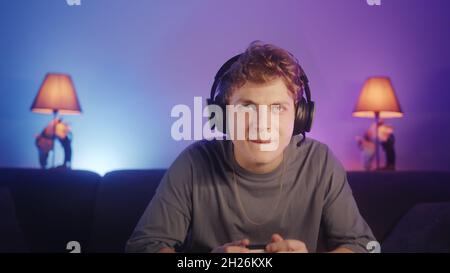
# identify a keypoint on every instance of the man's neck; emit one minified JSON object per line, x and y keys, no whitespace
{"x":259,"y":168}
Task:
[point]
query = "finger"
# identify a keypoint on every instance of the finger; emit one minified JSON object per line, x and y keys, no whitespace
{"x":235,"y":249}
{"x":277,"y":246}
{"x":243,"y":242}
{"x":274,"y":246}
{"x":287,"y":246}
{"x":276,"y":238}
{"x":296,"y":246}
{"x":230,"y":249}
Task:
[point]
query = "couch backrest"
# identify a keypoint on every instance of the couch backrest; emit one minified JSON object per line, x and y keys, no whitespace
{"x":53,"y":207}
{"x":122,"y":199}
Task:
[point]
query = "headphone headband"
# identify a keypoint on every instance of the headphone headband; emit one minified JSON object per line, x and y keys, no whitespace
{"x":222,"y":71}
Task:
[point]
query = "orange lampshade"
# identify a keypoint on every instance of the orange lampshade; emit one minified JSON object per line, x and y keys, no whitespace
{"x":57,"y":94}
{"x":378,"y":96}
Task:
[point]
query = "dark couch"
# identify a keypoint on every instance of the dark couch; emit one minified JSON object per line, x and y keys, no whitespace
{"x":41,"y":211}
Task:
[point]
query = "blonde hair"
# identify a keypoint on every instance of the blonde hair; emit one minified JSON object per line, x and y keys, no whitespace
{"x":262,"y":63}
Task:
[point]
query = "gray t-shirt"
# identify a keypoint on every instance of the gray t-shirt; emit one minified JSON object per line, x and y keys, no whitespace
{"x":199,"y":205}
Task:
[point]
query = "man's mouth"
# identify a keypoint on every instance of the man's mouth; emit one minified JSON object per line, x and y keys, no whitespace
{"x":259,"y":141}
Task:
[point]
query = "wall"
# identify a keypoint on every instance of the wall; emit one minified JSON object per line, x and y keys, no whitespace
{"x":132,"y":61}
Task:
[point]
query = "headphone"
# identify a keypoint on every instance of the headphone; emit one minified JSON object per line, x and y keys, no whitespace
{"x":304,"y":110}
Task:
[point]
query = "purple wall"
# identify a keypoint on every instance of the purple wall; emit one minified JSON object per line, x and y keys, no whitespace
{"x":132,"y":61}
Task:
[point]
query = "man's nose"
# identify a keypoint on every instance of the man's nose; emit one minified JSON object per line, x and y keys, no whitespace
{"x":264,"y":117}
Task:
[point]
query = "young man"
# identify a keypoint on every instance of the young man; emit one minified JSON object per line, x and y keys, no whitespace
{"x":223,"y":195}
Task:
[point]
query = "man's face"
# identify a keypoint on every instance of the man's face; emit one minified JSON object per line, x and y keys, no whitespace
{"x":279,"y":101}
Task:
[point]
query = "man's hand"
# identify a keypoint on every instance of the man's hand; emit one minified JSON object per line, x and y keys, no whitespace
{"x":234,"y":247}
{"x":280,"y":245}
{"x":166,"y":250}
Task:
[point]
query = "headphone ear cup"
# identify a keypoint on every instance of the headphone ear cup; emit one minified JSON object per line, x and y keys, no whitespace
{"x":310,"y":110}
{"x":304,"y":116}
{"x":300,"y":117}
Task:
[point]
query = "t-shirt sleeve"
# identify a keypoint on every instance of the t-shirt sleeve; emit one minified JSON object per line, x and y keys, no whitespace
{"x":343,"y":224}
{"x":166,"y":219}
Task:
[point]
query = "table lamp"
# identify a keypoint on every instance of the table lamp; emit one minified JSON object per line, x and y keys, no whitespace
{"x":377,"y":100}
{"x":56,"y":96}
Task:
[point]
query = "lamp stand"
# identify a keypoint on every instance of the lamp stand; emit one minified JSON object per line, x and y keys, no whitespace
{"x":377,"y":153}
{"x":55,"y":114}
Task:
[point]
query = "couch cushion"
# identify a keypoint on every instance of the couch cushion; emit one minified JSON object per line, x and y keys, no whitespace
{"x":425,"y":228}
{"x":122,"y":199}
{"x":384,"y":197}
{"x":53,"y":206}
{"x":11,"y":235}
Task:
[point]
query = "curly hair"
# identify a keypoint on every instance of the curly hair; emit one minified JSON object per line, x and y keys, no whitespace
{"x":262,"y":63}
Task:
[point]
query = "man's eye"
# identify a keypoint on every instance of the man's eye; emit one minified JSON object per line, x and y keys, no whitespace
{"x":244,"y":108}
{"x":247,"y":106}
{"x":278,"y":108}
